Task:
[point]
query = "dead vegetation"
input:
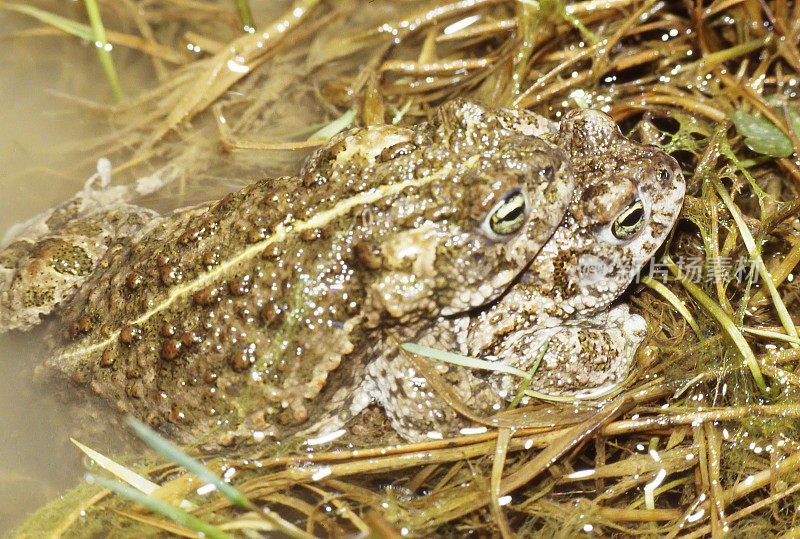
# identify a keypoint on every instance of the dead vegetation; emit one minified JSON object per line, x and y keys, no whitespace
{"x":704,"y":441}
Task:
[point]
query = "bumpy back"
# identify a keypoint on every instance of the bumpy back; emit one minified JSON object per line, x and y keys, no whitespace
{"x":243,"y":314}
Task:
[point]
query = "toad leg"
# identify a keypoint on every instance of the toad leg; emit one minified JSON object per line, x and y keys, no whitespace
{"x":46,"y":259}
{"x":582,"y":358}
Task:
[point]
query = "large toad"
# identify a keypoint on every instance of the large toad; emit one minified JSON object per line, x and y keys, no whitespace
{"x":281,"y":308}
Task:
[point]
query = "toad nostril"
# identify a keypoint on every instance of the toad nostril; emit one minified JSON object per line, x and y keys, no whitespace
{"x":663,"y":174}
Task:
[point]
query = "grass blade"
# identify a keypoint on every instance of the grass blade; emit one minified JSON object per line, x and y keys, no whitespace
{"x":245,"y":16}
{"x":57,"y":21}
{"x":674,"y":300}
{"x":719,"y":314}
{"x":173,"y":513}
{"x":339,"y":124}
{"x":103,"y":48}
{"x":755,"y":254}
{"x":132,"y":478}
{"x":464,"y":361}
{"x":177,"y":456}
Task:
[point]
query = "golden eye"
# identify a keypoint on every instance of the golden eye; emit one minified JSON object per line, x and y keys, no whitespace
{"x":629,"y":221}
{"x":508,"y":215}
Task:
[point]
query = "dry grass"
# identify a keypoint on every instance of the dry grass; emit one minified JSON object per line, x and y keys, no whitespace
{"x":706,"y":438}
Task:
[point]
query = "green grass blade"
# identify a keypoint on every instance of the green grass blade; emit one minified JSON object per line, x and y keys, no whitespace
{"x":464,"y":361}
{"x":772,"y":335}
{"x":339,"y":124}
{"x":755,"y":254}
{"x":674,"y":300}
{"x":245,"y":15}
{"x":56,"y":21}
{"x":495,"y":366}
{"x":524,"y":387}
{"x":177,"y":456}
{"x":173,"y":513}
{"x":719,"y":314}
{"x":103,"y":48}
{"x":170,"y":451}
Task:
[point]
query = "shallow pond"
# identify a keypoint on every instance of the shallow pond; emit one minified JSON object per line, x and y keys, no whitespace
{"x":46,"y":82}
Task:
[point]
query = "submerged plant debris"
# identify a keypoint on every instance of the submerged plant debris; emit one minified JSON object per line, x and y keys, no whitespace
{"x":705,"y":438}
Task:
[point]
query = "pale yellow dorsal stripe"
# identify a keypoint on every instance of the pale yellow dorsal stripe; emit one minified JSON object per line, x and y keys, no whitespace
{"x":318,"y":220}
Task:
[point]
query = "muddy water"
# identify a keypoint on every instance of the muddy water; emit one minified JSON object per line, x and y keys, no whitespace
{"x":38,"y":128}
{"x":42,"y":163}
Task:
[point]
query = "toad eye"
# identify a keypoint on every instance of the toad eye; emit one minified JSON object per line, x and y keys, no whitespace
{"x":629,"y":221}
{"x":508,"y":215}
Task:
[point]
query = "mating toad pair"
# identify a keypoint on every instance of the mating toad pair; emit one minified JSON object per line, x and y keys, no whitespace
{"x":280,"y":308}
